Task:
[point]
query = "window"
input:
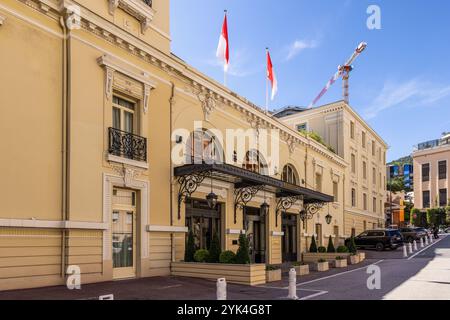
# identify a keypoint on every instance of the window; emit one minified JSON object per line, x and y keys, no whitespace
{"x":303,"y":127}
{"x":379,"y":180}
{"x":365,"y":225}
{"x":335,"y":191}
{"x":442,"y":197}
{"x":384,"y":157}
{"x":124,"y":117}
{"x":352,"y":130}
{"x":379,"y":154}
{"x":374,"y":204}
{"x":364,"y":170}
{"x":353,"y":197}
{"x":364,"y":201}
{"x":381,"y":206}
{"x":443,"y":169}
{"x":289,"y":175}
{"x":254,"y":161}
{"x":425,"y":172}
{"x":373,"y":148}
{"x":353,"y":163}
{"x":319,"y":234}
{"x":426,"y":199}
{"x":203,"y":147}
{"x":374,"y":176}
{"x":318,"y":182}
{"x":363,"y":139}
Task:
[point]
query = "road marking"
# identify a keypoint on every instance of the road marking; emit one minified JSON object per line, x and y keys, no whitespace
{"x":337,"y":274}
{"x":320,"y":293}
{"x":429,"y":246}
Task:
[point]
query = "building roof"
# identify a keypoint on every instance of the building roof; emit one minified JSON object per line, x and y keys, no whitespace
{"x":287,"y":111}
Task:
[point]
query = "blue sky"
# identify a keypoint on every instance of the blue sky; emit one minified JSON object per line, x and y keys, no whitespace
{"x":400,"y":85}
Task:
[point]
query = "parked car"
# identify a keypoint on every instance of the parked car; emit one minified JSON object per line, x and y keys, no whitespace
{"x":423,"y":232}
{"x":379,"y":239}
{"x":411,"y":234}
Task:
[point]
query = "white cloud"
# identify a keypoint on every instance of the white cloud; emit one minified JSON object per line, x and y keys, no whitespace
{"x":415,"y":92}
{"x":239,"y":62}
{"x":298,"y":46}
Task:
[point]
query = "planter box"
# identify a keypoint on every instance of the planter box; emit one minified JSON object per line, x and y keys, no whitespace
{"x":314,"y":257}
{"x":340,"y":263}
{"x":321,"y":266}
{"x":250,"y":274}
{"x":301,"y":270}
{"x":273,"y":275}
{"x":353,"y":259}
{"x":362,"y":256}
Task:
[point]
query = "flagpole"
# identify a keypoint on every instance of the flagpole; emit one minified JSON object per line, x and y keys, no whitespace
{"x":267,"y":85}
{"x":224,"y":69}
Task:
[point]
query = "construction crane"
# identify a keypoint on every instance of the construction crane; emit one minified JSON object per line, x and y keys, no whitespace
{"x":344,"y":72}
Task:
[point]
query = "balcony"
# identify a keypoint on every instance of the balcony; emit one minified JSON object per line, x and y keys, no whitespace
{"x":127,"y":145}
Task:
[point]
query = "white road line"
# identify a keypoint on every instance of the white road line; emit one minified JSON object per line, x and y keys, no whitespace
{"x":429,"y":246}
{"x":337,"y":274}
{"x":320,"y":293}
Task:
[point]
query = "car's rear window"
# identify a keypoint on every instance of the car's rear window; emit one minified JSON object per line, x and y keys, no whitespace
{"x":394,"y":232}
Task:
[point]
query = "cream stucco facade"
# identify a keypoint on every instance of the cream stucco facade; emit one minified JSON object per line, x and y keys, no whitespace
{"x":90,"y":97}
{"x":364,"y":151}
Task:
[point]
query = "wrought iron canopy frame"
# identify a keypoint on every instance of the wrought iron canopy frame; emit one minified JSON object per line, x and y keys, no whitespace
{"x":188,"y":185}
{"x":243,"y":195}
{"x":284,"y":204}
{"x":311,"y":209}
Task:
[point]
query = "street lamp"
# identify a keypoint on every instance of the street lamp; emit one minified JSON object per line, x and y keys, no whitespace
{"x":211,"y":198}
{"x":328,"y":217}
{"x":264,"y":207}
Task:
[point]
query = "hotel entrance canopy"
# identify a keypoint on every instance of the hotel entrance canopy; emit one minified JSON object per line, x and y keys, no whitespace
{"x":247,"y":183}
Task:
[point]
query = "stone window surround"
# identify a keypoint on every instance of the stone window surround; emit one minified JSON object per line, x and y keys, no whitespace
{"x":137,"y":8}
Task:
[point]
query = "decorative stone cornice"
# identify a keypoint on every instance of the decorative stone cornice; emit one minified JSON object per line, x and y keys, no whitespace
{"x":137,"y":8}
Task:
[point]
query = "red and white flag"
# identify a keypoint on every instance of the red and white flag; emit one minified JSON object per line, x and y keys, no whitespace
{"x":223,"y":49}
{"x":271,"y":76}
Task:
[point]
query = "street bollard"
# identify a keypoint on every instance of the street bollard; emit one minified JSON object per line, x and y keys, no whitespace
{"x":415,"y":245}
{"x":431,"y":239}
{"x":292,"y":284}
{"x":410,"y":248}
{"x":421,"y":243}
{"x":405,"y":253}
{"x":221,"y":289}
{"x":426,"y":240}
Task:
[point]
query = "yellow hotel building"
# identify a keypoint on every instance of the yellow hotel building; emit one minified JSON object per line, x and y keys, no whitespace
{"x":88,"y":178}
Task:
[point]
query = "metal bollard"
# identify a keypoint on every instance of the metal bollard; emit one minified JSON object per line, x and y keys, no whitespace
{"x":415,"y":245}
{"x":410,"y":248}
{"x":292,"y":284}
{"x":421,"y":243}
{"x":431,"y":239}
{"x":221,"y":289}
{"x":405,"y":253}
{"x":426,"y":240}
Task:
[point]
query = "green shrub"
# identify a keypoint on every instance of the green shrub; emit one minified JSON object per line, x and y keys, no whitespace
{"x":342,"y":249}
{"x":214,"y":249}
{"x":321,"y":260}
{"x":322,"y":249}
{"x":190,"y":248}
{"x":227,"y":257}
{"x":298,"y":263}
{"x":201,"y":255}
{"x":243,"y":255}
{"x":351,"y":245}
{"x":313,"y":246}
{"x":272,"y":267}
{"x":340,"y":258}
{"x":330,"y":245}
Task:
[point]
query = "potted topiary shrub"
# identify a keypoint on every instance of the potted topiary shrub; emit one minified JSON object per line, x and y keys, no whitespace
{"x":330,"y":248}
{"x":227,"y":257}
{"x":342,"y":249}
{"x":273,"y":273}
{"x":321,"y":265}
{"x":214,"y":249}
{"x":322,"y":249}
{"x":340,"y":262}
{"x":190,"y":248}
{"x":242,"y":254}
{"x":313,"y":246}
{"x":201,"y":255}
{"x":301,"y":268}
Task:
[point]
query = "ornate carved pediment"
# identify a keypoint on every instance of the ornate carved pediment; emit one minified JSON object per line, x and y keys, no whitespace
{"x":128,"y":174}
{"x":139,"y":9}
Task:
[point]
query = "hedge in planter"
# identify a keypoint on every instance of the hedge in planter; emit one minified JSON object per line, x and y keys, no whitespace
{"x":201,"y":255}
{"x":342,"y":249}
{"x":313,"y":246}
{"x":352,"y":245}
{"x":322,"y":249}
{"x":227,"y":257}
{"x":330,"y":248}
{"x":243,"y":255}
{"x":214,"y":249}
{"x":190,"y":248}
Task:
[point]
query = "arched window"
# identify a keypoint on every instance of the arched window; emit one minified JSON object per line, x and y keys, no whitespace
{"x":289,"y":174}
{"x":203,"y":147}
{"x":255,"y":162}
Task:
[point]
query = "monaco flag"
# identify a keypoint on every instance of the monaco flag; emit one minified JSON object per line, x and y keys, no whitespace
{"x":271,"y":76}
{"x":223,"y":50}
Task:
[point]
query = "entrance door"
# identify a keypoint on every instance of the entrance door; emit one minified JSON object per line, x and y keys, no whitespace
{"x":124,"y":234}
{"x":255,"y":228}
{"x":289,"y":239}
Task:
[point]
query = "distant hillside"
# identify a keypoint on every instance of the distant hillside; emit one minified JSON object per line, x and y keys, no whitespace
{"x":402,"y":161}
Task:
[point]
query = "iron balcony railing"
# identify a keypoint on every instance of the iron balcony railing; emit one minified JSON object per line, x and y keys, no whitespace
{"x":127,"y":145}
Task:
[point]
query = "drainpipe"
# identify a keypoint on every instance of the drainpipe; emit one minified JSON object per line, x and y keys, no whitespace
{"x":172,"y":236}
{"x":65,"y":137}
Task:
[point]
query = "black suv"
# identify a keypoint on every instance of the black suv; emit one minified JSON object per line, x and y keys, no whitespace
{"x":378,"y":239}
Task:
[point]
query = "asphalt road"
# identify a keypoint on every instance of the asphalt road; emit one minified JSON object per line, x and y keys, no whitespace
{"x":423,"y":275}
